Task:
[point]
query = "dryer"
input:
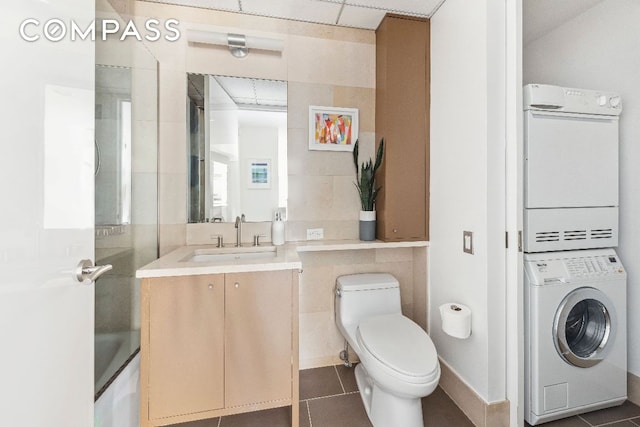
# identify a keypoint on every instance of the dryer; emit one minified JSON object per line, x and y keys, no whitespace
{"x":575,"y":333}
{"x":570,"y":168}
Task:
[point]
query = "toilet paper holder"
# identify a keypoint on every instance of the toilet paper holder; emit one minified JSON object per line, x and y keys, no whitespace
{"x":456,"y":320}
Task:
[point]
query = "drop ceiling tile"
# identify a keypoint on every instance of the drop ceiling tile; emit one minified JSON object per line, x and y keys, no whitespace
{"x":412,"y":7}
{"x":254,"y":91}
{"x":236,"y":87}
{"x":357,"y":13}
{"x":271,"y":90}
{"x":303,"y":10}
{"x":231,"y":5}
{"x":361,"y":17}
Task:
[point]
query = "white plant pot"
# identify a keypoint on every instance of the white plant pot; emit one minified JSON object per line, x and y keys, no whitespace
{"x":367,"y":225}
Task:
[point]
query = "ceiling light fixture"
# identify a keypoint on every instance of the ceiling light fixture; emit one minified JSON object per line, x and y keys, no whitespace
{"x":238,"y":44}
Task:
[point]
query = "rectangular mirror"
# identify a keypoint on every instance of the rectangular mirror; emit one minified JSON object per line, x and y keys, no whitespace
{"x":237,"y":154}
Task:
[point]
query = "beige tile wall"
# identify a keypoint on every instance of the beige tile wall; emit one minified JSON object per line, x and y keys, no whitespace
{"x":320,"y":340}
{"x":321,"y":190}
{"x":207,"y":233}
{"x":420,"y":295}
{"x":324,"y":65}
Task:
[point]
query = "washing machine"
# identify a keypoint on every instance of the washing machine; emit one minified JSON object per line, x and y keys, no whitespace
{"x":575,"y":333}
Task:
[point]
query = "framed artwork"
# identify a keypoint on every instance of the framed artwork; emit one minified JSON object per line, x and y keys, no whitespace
{"x":259,"y":173}
{"x":332,"y":129}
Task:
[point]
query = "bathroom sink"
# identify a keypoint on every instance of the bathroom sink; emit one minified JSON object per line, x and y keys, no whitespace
{"x":231,"y":254}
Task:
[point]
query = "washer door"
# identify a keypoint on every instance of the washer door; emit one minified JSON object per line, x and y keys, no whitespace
{"x":584,"y":327}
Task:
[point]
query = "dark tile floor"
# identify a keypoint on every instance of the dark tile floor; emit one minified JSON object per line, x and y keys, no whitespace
{"x":329,"y":398}
{"x":625,"y":415}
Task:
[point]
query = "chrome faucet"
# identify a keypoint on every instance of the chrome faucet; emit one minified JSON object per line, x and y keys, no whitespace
{"x":239,"y":221}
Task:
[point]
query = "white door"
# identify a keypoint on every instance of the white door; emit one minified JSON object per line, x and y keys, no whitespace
{"x":46,"y":217}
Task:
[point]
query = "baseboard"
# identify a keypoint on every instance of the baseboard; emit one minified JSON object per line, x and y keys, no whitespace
{"x":633,"y":388}
{"x":479,"y":412}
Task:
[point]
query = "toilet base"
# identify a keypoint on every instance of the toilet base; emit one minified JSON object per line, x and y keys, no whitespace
{"x":385,"y":409}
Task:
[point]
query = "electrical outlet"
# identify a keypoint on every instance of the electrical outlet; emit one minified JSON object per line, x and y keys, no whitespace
{"x":315,"y":233}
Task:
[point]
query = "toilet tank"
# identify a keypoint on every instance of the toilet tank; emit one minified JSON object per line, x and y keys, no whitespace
{"x":360,"y":296}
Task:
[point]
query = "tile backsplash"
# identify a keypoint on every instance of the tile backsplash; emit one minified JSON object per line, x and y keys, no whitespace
{"x":207,"y":233}
{"x":321,"y":190}
{"x":320,"y":340}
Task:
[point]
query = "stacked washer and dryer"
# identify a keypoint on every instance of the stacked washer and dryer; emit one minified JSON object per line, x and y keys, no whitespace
{"x":575,"y":285}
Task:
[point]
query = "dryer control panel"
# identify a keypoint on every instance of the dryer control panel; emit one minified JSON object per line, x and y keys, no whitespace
{"x":573,"y":267}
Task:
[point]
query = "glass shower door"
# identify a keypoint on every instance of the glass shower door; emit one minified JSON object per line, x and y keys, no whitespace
{"x":126,"y":198}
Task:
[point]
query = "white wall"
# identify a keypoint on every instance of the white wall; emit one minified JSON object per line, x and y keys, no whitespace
{"x":467,"y":187}
{"x":222,"y":145}
{"x":258,"y":143}
{"x":599,"y":50}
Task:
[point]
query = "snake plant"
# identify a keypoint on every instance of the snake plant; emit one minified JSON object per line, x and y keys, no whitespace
{"x":366,"y":177}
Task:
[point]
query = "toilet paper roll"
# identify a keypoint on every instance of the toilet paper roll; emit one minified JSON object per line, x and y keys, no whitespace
{"x":456,"y":320}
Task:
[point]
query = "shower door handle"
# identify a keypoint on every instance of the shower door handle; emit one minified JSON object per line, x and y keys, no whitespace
{"x":86,"y":271}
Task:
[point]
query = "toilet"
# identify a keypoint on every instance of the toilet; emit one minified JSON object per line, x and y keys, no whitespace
{"x":398,"y":361}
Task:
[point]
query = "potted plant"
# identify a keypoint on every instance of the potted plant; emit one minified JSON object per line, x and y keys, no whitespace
{"x":366,"y":185}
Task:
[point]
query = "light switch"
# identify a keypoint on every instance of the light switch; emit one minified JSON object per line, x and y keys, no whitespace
{"x":467,"y":242}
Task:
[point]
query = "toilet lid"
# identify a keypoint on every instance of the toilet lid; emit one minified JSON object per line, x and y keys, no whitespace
{"x":400,"y":344}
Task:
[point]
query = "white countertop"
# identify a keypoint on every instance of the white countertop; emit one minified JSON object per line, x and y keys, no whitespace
{"x":174,"y":263}
{"x":177,"y":263}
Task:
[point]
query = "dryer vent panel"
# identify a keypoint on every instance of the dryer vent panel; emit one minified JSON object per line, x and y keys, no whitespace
{"x":570,"y":228}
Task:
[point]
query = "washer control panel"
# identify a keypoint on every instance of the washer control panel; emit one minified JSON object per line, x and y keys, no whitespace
{"x":593,"y":266}
{"x":572,"y":267}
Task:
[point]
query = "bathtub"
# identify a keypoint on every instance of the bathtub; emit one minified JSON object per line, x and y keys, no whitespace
{"x":118,"y":399}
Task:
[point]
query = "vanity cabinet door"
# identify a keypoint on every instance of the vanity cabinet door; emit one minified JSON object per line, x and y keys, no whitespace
{"x":186,"y":337}
{"x":258,"y":341}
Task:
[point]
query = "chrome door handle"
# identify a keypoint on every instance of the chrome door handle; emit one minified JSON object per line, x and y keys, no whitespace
{"x":86,"y":271}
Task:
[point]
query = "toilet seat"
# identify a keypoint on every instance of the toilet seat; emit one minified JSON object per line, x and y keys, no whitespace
{"x":400,"y":347}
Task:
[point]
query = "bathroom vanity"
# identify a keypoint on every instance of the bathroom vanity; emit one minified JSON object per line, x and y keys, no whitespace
{"x":219,"y":333}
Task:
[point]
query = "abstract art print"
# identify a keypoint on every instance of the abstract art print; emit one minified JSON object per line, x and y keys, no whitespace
{"x":332,"y":129}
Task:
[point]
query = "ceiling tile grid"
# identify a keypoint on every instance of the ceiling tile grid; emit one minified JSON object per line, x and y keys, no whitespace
{"x":246,"y":91}
{"x":365,"y":14}
{"x":226,"y":5}
{"x":299,"y":10}
{"x":408,"y":7}
{"x":361,"y":17}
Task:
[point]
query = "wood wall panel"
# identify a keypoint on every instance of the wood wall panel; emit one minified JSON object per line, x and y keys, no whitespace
{"x":402,"y":119}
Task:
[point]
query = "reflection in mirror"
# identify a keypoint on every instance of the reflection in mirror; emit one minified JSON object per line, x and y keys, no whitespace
{"x":237,"y":148}
{"x":113,"y":145}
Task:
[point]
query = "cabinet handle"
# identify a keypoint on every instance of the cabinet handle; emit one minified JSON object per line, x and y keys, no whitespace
{"x":210,"y":286}
{"x":395,"y":230}
{"x":236,"y":285}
